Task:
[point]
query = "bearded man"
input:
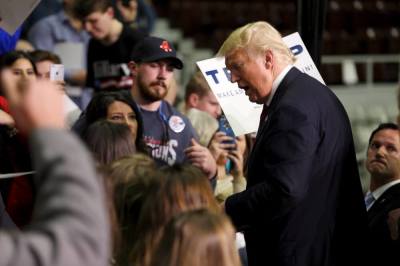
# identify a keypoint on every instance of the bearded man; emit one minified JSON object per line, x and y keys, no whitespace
{"x":167,"y":132}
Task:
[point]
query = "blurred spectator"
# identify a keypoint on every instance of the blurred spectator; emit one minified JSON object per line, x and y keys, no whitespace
{"x":130,"y":178}
{"x":19,"y":192}
{"x":139,"y":14}
{"x":43,"y":61}
{"x":110,"y":45}
{"x":24,"y":45}
{"x":115,"y":107}
{"x":70,"y":222}
{"x":7,"y":41}
{"x":228,"y":152}
{"x":204,"y":124}
{"x":21,"y":63}
{"x":175,"y":189}
{"x":196,"y":238}
{"x":199,"y":95}
{"x":62,"y":27}
{"x":109,"y":141}
{"x":44,"y":9}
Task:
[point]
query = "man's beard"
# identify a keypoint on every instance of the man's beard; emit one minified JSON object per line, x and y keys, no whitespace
{"x":152,"y":95}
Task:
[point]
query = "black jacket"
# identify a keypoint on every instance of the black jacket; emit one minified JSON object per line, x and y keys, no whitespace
{"x":303,"y":204}
{"x":385,"y":251}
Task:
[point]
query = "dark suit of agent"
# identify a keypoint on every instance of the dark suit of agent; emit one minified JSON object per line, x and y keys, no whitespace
{"x":303,"y":204}
{"x":383,"y":161}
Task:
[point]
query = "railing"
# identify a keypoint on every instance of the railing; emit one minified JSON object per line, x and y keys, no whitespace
{"x":368,"y":60}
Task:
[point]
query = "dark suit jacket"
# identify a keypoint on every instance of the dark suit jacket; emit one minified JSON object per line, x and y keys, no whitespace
{"x":303,"y":204}
{"x":385,"y":250}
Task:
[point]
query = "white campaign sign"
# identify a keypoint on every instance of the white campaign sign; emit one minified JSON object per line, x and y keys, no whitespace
{"x":304,"y":61}
{"x":243,"y":115}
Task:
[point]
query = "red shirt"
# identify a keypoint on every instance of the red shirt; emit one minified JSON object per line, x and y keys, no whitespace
{"x":4,"y":104}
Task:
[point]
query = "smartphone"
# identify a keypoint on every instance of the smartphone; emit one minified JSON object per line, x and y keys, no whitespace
{"x":225,"y":127}
{"x":57,"y":72}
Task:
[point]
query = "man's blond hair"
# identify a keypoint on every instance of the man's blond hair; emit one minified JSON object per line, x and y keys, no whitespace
{"x":256,"y":38}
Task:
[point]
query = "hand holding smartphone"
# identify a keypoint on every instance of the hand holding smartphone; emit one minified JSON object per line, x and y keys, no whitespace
{"x":226,"y":128}
{"x":57,"y":72}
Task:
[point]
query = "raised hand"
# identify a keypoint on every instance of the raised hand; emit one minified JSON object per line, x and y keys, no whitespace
{"x":33,"y":104}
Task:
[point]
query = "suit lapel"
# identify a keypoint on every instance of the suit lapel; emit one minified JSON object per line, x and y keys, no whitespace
{"x":380,"y":205}
{"x":280,"y":92}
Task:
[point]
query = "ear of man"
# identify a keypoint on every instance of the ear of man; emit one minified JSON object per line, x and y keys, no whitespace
{"x":193,"y":100}
{"x":269,"y":59}
{"x":133,"y":67}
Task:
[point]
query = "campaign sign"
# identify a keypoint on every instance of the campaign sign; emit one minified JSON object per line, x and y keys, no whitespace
{"x":243,"y":115}
{"x":304,"y":61}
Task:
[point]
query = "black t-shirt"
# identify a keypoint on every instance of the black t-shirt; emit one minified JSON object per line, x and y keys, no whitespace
{"x":107,"y":65}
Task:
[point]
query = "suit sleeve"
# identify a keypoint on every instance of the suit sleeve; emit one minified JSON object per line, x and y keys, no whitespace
{"x":286,"y":154}
{"x":70,"y":223}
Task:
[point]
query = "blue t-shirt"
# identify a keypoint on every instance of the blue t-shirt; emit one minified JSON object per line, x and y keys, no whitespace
{"x":167,"y":133}
{"x":7,"y":41}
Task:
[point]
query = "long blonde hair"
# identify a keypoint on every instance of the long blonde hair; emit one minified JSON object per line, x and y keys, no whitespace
{"x":197,"y":238}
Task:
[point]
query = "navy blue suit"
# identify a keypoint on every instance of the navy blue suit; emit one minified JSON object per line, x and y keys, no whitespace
{"x":303,"y":204}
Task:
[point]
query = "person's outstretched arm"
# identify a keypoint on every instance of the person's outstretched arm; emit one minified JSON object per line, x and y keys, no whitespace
{"x":70,"y":223}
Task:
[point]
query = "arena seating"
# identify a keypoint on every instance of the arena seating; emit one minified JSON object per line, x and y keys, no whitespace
{"x":360,"y":50}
